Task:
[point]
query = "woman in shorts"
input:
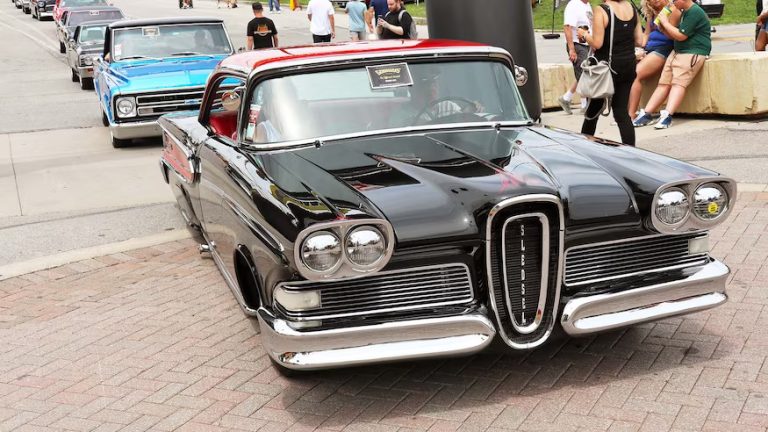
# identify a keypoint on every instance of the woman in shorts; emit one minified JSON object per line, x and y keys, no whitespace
{"x":762,"y":22}
{"x":656,"y":48}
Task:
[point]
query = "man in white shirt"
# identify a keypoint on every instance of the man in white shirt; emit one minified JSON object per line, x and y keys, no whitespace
{"x":322,"y":24}
{"x":577,"y":14}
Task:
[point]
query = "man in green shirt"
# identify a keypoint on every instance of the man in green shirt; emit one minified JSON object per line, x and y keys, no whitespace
{"x":693,"y":43}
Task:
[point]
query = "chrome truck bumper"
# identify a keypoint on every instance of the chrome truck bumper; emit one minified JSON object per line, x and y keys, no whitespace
{"x":400,"y":340}
{"x":131,"y":130}
{"x":703,"y":288}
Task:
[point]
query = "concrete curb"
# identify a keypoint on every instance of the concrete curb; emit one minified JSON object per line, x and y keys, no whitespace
{"x":60,"y":259}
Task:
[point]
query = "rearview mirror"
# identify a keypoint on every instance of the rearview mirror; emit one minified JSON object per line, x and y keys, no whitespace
{"x":231,"y":99}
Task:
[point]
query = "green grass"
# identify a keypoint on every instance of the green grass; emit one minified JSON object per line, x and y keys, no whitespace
{"x":736,"y":12}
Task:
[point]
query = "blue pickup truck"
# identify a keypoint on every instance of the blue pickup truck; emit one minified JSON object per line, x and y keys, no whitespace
{"x":152,"y":67}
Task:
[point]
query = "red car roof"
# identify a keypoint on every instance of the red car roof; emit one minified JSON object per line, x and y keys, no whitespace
{"x":250,"y":60}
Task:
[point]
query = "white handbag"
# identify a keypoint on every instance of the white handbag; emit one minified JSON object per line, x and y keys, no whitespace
{"x":596,"y":80}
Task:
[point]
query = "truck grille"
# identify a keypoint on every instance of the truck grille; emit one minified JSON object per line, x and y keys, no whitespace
{"x":610,"y":261}
{"x":389,"y":291}
{"x":154,"y":105}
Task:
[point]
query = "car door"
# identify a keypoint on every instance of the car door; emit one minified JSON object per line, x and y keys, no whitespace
{"x":73,"y":59}
{"x":222,"y":189}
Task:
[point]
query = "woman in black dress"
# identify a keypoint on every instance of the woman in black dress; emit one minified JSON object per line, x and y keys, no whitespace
{"x":627,"y":34}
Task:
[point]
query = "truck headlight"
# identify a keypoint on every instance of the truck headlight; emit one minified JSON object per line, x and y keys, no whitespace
{"x":86,"y":60}
{"x":41,"y":4}
{"x":672,"y":206}
{"x":709,"y":201}
{"x":321,"y":252}
{"x":365,"y":246}
{"x":126,"y":107}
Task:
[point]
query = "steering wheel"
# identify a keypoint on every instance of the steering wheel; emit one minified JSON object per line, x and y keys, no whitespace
{"x":466,"y":106}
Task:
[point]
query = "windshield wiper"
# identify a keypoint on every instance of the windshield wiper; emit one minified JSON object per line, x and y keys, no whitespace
{"x":137,"y":57}
{"x":190,"y":53}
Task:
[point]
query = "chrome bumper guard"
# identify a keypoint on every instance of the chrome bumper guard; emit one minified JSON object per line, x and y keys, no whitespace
{"x":393,"y":341}
{"x":145,"y":129}
{"x":703,"y":289}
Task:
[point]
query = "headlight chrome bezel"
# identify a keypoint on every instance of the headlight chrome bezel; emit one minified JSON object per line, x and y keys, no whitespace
{"x":346,"y":267}
{"x":131,"y":113}
{"x":692,"y":222}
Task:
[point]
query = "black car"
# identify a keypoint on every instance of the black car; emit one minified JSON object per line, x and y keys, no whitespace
{"x":367,"y":202}
{"x":42,"y":9}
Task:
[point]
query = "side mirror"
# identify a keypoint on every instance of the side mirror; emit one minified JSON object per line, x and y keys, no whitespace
{"x":521,"y":76}
{"x":231,"y":99}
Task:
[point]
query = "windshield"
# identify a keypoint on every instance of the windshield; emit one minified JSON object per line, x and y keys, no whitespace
{"x":78,"y":17}
{"x":170,"y":41}
{"x":92,"y":34}
{"x":76,"y":3}
{"x":388,"y":96}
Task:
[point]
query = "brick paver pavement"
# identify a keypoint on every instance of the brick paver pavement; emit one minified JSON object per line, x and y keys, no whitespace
{"x":153,"y":340}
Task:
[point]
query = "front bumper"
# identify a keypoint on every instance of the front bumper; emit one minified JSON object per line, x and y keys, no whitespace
{"x":133,"y":130}
{"x":45,"y":14}
{"x":393,"y":341}
{"x":702,"y":288}
{"x":85,"y":71}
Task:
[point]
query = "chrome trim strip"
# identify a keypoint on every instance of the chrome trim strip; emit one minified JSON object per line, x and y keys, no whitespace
{"x":546,"y":198}
{"x":544,"y":221}
{"x":376,"y":279}
{"x":413,"y":339}
{"x":701,"y":290}
{"x":691,"y":222}
{"x":341,"y":228}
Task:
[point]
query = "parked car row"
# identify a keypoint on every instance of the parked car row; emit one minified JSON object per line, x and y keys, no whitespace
{"x":366,"y":202}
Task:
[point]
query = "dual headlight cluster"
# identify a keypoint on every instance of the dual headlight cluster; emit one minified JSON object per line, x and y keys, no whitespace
{"x":692,"y":206}
{"x":344,"y":248}
{"x":125,"y":107}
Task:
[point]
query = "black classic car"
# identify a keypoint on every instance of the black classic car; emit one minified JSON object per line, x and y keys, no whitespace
{"x":391,"y":200}
{"x":42,"y":9}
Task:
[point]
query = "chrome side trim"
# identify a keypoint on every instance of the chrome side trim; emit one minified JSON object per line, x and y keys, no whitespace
{"x":386,"y":291}
{"x":703,"y":289}
{"x":546,"y":198}
{"x":544,"y":272}
{"x":374,"y":343}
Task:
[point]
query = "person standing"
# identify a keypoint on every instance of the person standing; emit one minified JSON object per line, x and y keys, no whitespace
{"x":616,"y":18}
{"x":295,"y":4}
{"x":262,"y":32}
{"x":657,"y":47}
{"x":274,"y":6}
{"x":693,"y":43}
{"x":321,"y":19}
{"x":356,"y":11}
{"x":578,"y":14}
{"x":396,"y":24}
{"x":377,"y":9}
{"x":762,"y":26}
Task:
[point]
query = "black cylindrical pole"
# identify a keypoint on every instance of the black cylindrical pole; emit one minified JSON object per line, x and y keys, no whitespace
{"x":504,"y":23}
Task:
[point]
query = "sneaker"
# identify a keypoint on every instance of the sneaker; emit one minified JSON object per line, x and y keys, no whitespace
{"x":643,"y":119}
{"x":565,"y":105}
{"x":664,"y":122}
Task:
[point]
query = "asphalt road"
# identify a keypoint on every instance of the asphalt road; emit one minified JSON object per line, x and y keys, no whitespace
{"x":63,"y":187}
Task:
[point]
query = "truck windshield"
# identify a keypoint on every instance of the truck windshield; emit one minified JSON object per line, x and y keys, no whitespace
{"x":92,"y":34}
{"x":388,"y":96}
{"x":170,"y":41}
{"x":79,"y":17}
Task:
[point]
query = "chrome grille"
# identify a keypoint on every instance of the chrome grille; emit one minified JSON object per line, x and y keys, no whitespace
{"x":389,"y":291}
{"x":162,"y":103}
{"x":609,"y":261}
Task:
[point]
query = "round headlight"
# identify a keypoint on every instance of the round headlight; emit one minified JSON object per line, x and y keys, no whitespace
{"x":365,"y":246}
{"x":321,"y":251}
{"x":87,"y":61}
{"x":709,"y":201}
{"x":125,"y":106}
{"x":672,"y":206}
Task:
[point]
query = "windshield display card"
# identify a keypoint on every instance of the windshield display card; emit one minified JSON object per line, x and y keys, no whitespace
{"x":389,"y":75}
{"x":150,"y":31}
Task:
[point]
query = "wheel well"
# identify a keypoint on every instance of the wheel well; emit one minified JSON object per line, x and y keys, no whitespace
{"x":247,"y":278}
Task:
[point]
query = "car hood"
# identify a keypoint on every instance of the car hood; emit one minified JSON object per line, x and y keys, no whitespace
{"x":142,"y":76}
{"x":442,"y":185}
